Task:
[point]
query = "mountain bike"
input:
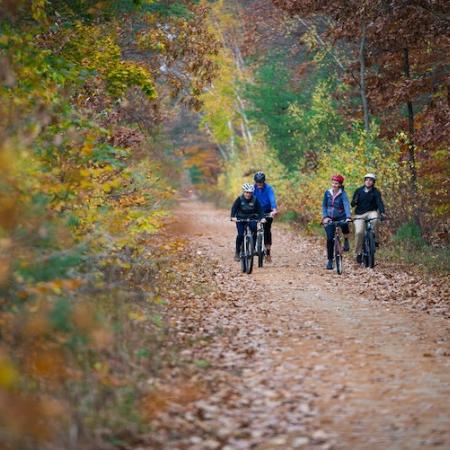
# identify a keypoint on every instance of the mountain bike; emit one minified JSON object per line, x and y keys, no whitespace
{"x":338,"y":247}
{"x":369,"y":247}
{"x":247,"y":248}
{"x":260,"y":247}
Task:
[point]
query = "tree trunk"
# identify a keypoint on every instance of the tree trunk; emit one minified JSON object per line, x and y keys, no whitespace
{"x":222,"y":151}
{"x":232,"y":138}
{"x":362,"y":78}
{"x":411,"y":146}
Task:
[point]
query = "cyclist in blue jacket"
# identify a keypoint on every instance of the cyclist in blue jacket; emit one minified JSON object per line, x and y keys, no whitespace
{"x":335,"y":208}
{"x":265,"y":194}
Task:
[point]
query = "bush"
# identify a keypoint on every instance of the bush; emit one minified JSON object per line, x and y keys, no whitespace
{"x":409,"y":235}
{"x":289,"y":216}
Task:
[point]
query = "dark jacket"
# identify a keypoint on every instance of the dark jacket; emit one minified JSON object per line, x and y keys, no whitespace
{"x":367,"y":201}
{"x":247,"y":209}
{"x":337,"y":207}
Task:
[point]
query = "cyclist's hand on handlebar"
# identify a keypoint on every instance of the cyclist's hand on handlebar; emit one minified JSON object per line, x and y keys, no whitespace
{"x":273,"y":213}
{"x":263,"y":220}
{"x":349,"y":219}
{"x":326,"y":220}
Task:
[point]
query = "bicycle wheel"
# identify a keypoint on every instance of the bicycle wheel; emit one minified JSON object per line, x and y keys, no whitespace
{"x":371,"y":251}
{"x":243,"y":259}
{"x":248,"y":246}
{"x":366,"y":250}
{"x":338,"y":255}
{"x":260,"y":249}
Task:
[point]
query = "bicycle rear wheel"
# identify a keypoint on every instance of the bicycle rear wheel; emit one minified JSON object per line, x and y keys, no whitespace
{"x":248,"y":250}
{"x":260,"y":250}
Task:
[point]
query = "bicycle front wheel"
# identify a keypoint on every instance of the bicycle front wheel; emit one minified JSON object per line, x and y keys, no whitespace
{"x":243,"y":259}
{"x":338,"y":256}
{"x":371,"y":251}
{"x":260,"y":250}
{"x":338,"y":260}
{"x":366,"y":251}
{"x":248,"y":250}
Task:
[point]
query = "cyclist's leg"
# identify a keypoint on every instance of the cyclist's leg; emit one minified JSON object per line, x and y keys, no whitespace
{"x":373,"y":215}
{"x":268,"y":234}
{"x":346,"y":231}
{"x":359,"y":232}
{"x":330,"y":230}
{"x":253,"y":228}
{"x":240,"y":236}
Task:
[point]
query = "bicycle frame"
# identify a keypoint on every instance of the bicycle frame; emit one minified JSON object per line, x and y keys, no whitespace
{"x":260,"y":244}
{"x":369,"y":248}
{"x":247,"y":249}
{"x":338,"y":250}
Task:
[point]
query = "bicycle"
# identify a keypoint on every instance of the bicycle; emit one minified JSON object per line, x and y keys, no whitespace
{"x":369,"y":246}
{"x":338,"y":247}
{"x":247,"y":248}
{"x":260,"y":246}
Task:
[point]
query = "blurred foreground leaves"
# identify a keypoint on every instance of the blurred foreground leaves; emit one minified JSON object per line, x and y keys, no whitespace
{"x":87,"y":182}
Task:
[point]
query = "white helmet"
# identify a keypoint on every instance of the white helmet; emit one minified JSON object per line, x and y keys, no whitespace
{"x":247,"y":187}
{"x":370,"y":175}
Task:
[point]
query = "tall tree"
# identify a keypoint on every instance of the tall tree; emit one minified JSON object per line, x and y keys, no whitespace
{"x":405,"y":69}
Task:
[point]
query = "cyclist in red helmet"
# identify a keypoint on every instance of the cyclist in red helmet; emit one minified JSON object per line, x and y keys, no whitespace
{"x":335,"y":208}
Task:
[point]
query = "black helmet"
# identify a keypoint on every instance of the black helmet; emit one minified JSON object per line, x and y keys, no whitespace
{"x":259,"y":177}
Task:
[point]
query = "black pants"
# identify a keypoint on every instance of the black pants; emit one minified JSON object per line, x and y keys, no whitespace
{"x":330,"y":230}
{"x":268,"y":231}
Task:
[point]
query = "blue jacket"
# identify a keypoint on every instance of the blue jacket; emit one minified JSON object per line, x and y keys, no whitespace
{"x":337,"y":208}
{"x":266,"y":196}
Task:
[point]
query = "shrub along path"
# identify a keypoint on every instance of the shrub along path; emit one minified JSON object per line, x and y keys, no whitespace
{"x":294,"y":356}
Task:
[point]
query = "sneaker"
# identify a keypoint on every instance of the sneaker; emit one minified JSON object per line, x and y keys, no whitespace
{"x":236,"y":257}
{"x":268,"y":259}
{"x":346,"y":245}
{"x":329,"y":265}
{"x":359,"y":259}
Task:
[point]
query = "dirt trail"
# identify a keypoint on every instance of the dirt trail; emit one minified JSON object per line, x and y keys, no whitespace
{"x":322,"y":366}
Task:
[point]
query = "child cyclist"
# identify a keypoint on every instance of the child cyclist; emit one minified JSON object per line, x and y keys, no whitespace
{"x":335,"y":208}
{"x":246,"y":206}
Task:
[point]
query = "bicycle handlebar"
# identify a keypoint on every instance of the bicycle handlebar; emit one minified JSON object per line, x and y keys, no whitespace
{"x":372,"y":218}
{"x":246,"y":220}
{"x":339,"y":223}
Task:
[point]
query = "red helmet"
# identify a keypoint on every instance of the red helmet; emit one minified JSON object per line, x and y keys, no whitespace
{"x":339,"y":178}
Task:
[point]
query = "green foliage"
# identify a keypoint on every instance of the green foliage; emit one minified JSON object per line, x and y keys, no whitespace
{"x":60,"y":315}
{"x":289,"y":216}
{"x":167,"y":9}
{"x":409,"y":235}
{"x":424,"y":258}
{"x":271,"y":96}
{"x":195,"y":174}
{"x":54,"y":266}
{"x":301,"y":121}
{"x":105,"y":153}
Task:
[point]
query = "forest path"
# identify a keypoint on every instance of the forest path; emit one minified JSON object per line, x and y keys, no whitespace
{"x":315,"y":364}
